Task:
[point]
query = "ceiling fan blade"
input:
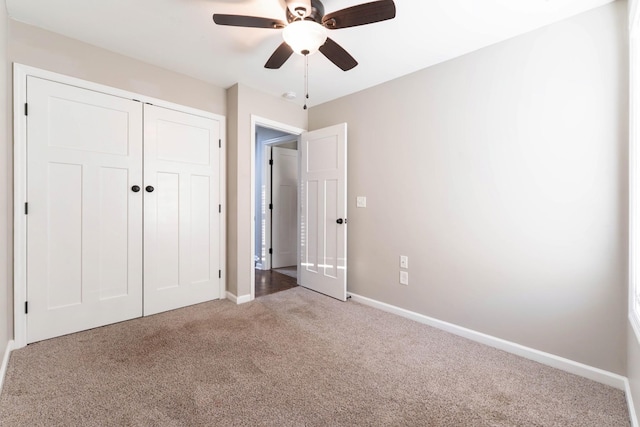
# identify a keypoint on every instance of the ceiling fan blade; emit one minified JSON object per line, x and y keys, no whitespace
{"x":247,"y":21}
{"x":336,"y":54}
{"x":279,"y":56}
{"x":362,"y":14}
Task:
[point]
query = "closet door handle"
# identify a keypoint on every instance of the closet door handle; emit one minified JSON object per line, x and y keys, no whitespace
{"x":149,"y":189}
{"x":135,"y":188}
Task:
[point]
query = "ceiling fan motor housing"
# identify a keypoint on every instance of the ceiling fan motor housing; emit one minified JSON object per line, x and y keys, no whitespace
{"x":316,"y":14}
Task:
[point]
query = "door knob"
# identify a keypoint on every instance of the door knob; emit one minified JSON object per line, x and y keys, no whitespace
{"x":135,"y":188}
{"x":339,"y":220}
{"x":149,"y":189}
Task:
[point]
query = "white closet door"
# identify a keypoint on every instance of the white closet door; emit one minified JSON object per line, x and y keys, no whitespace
{"x":84,"y":224}
{"x":181,"y":219}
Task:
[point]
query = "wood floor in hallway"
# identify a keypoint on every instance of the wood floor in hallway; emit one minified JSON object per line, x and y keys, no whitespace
{"x":270,"y":281}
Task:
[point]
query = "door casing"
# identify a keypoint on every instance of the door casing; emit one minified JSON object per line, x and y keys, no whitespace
{"x":267,"y":123}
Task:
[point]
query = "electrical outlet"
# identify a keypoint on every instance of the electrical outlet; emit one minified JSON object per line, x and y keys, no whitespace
{"x":404,"y":278}
{"x":404,"y":261}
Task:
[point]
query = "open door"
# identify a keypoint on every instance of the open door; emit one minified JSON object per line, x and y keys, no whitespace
{"x":323,"y":214}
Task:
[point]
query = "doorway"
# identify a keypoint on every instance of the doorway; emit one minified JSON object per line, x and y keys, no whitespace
{"x":275,"y":213}
{"x":322,"y":209}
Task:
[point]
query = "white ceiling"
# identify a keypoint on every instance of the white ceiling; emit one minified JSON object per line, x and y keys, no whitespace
{"x":180,"y":35}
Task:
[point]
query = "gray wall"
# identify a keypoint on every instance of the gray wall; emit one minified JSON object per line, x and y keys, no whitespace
{"x":34,"y":46}
{"x":6,"y":279}
{"x":503,"y":176}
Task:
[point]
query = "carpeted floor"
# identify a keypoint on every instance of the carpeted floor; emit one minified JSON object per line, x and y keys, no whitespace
{"x":294,"y":358}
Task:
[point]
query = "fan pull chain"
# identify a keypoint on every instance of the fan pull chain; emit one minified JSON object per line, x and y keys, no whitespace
{"x":306,"y":80}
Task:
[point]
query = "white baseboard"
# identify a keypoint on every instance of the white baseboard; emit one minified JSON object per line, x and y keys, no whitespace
{"x":567,"y":365}
{"x":238,"y":300}
{"x":5,"y":363}
{"x":231,"y":297}
{"x":632,"y":412}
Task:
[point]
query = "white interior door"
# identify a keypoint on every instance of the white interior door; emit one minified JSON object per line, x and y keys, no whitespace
{"x":323,"y":217}
{"x":181,"y":219}
{"x":284,"y":215}
{"x":84,"y":224}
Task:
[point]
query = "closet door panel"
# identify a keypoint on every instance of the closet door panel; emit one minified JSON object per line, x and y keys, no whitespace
{"x":182,"y":231}
{"x":84,"y":224}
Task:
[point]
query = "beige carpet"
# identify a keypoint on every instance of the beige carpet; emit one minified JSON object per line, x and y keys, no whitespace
{"x":294,"y":358}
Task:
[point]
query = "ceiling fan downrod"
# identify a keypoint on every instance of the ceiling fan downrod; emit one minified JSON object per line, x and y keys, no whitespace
{"x":306,"y":79}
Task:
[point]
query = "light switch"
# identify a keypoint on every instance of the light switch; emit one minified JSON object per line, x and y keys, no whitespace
{"x":361,"y":202}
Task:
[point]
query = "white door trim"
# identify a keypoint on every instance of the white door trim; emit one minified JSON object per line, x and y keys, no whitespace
{"x":20,"y":73}
{"x":271,"y":124}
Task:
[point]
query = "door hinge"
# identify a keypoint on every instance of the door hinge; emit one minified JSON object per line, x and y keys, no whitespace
{"x":220,"y":143}
{"x":271,"y":206}
{"x":270,"y":251}
{"x":26,"y":109}
{"x":26,"y":307}
{"x":271,"y":162}
{"x":26,"y":208}
{"x":219,"y":208}
{"x":219,"y":274}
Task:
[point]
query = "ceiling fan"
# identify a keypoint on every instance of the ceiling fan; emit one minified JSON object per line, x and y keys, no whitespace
{"x":305,"y":31}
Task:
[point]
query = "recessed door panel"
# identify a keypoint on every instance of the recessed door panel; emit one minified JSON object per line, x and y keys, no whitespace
{"x":331,"y":228}
{"x":322,"y":154}
{"x":114,"y":256}
{"x":64,"y":237}
{"x":72,"y":120}
{"x":200,"y":229}
{"x":166,"y":269}
{"x":179,"y":143}
{"x":312,"y":230}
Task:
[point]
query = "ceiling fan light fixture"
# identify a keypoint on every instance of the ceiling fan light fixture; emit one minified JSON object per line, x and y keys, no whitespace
{"x":304,"y":37}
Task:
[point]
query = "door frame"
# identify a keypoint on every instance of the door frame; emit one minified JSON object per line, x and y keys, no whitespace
{"x":20,"y":74}
{"x":266,"y":181}
{"x":271,"y":124}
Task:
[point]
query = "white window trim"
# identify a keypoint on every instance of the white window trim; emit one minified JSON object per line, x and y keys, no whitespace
{"x":634,"y":185}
